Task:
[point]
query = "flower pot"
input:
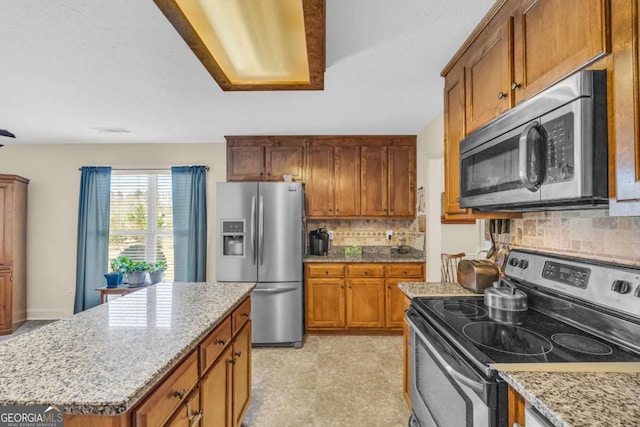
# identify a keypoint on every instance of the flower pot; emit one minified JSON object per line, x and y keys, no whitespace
{"x":156,"y":276}
{"x":136,"y":278}
{"x":113,"y":279}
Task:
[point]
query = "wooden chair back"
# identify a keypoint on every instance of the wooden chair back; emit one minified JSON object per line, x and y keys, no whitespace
{"x":450,"y":266}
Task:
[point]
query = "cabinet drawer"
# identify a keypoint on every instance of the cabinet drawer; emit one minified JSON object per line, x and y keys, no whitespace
{"x":325,"y":270}
{"x":365,"y":270}
{"x":213,"y":345}
{"x":240,"y":316}
{"x":157,"y":408}
{"x":405,"y":270}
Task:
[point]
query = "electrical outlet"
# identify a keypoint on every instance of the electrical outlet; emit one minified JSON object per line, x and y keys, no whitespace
{"x":330,"y":234}
{"x":389,"y":234}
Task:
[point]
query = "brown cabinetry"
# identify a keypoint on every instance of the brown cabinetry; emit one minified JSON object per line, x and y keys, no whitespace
{"x":357,"y":296}
{"x":241,"y":374}
{"x":13,"y":252}
{"x":406,"y":355}
{"x":189,"y":414}
{"x":519,"y":49}
{"x":216,"y":390}
{"x":265,"y":158}
{"x":346,"y":180}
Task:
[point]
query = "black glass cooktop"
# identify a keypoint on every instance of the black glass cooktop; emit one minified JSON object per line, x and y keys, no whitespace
{"x":487,"y":336}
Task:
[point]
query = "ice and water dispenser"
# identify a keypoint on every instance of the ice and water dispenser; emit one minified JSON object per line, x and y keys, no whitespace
{"x":233,"y":237}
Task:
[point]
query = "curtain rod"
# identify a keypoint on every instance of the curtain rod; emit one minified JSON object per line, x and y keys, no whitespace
{"x":145,"y":169}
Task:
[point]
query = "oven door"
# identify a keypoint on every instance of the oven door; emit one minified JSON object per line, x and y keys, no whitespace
{"x":504,"y":170}
{"x":445,"y":390}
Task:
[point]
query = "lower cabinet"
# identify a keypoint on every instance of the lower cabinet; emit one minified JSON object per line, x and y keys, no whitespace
{"x":216,"y":392}
{"x":357,"y":297}
{"x":189,"y":414}
{"x":241,"y":374}
{"x":406,"y":355}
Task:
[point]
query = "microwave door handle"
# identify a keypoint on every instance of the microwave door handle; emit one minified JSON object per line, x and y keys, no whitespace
{"x":522,"y":163}
{"x":253,"y":230}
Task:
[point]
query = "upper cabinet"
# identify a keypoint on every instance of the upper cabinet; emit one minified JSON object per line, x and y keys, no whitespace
{"x":361,"y":176}
{"x":520,"y":48}
{"x":554,"y":38}
{"x":265,"y":158}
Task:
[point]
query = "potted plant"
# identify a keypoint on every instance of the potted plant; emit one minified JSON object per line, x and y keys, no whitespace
{"x":119,"y":267}
{"x":156,"y":271}
{"x":137,"y":272}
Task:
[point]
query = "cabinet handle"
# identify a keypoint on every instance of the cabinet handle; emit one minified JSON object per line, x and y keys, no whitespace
{"x":341,"y":286}
{"x":366,"y":272}
{"x":221,"y":342}
{"x":515,"y":85}
{"x":502,"y":95}
{"x":458,"y":200}
{"x":237,"y":353}
{"x":337,"y":210}
{"x":330,"y":210}
{"x":194,"y":419}
{"x":232,"y":361}
{"x":406,"y":310}
{"x":245,"y":314}
{"x":179,"y":393}
{"x":350,"y":287}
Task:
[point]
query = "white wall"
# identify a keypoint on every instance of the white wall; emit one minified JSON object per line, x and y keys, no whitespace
{"x":52,"y":218}
{"x":441,"y":238}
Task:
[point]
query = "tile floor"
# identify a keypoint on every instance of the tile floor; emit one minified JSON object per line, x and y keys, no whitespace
{"x":332,"y":381}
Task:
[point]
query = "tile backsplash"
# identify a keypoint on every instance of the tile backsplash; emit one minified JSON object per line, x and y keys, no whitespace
{"x":586,"y":233}
{"x":372,"y":232}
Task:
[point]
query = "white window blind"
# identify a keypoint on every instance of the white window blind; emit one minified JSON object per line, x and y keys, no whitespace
{"x":141,"y":217}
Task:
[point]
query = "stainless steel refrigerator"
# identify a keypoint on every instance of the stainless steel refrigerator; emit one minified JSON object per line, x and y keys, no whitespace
{"x":260,"y":238}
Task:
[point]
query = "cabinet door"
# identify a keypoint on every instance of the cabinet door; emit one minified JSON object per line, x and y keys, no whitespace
{"x":320,"y":181}
{"x":215,"y":392}
{"x":241,"y":366}
{"x":489,"y":74}
{"x":245,"y":163}
{"x":374,"y":180}
{"x":406,"y":353}
{"x":189,"y":415}
{"x":554,"y":38}
{"x":346,"y":194}
{"x":6,"y":215}
{"x":325,"y":303}
{"x":454,"y":131}
{"x":394,"y":303}
{"x":365,"y":303}
{"x":402,"y":181}
{"x":286,"y":157}
{"x":5,"y":301}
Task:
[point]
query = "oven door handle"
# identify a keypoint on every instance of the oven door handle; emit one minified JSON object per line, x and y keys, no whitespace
{"x":413,"y":320}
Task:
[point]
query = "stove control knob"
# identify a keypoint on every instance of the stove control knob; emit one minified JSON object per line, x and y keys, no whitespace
{"x":637,"y":292}
{"x":513,"y":262}
{"x":621,"y":286}
{"x":524,"y":264}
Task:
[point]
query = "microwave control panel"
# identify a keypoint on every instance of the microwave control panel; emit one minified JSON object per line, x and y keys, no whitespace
{"x":559,"y":149}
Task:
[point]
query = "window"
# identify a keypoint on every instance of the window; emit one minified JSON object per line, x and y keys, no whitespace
{"x":141,"y":217}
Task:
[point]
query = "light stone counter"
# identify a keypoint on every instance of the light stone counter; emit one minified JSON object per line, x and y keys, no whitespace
{"x":372,"y":254}
{"x":581,"y":399}
{"x":103,"y":360}
{"x":434,"y":289}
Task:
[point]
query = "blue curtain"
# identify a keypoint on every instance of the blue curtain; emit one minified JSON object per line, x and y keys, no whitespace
{"x":93,"y":235}
{"x":189,"y":222}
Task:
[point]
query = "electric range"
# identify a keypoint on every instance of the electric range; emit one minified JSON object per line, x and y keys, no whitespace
{"x":580,"y":311}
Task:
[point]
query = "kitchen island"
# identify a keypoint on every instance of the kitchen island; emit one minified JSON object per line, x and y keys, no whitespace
{"x":105,"y":360}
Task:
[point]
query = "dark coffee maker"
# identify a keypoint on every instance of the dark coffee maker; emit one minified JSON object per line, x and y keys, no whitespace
{"x":319,"y":242}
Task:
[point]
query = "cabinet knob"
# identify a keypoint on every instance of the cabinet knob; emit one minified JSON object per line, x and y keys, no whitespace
{"x":458,"y":200}
{"x":180,"y":393}
{"x":341,"y":286}
{"x":237,"y":353}
{"x":232,"y":361}
{"x":222,"y":342}
{"x":515,"y":85}
{"x":502,"y":95}
{"x":245,"y":314}
{"x":337,"y":210}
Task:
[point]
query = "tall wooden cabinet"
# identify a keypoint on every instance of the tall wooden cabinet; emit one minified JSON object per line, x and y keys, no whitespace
{"x":13,"y":253}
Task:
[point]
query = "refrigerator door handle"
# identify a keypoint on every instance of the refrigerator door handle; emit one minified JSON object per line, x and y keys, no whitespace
{"x":274,"y":290}
{"x":253,"y":230}
{"x":261,"y":232}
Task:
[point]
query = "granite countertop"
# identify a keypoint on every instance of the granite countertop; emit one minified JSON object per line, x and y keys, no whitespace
{"x":101,"y":361}
{"x":581,"y":398}
{"x":433,"y":289}
{"x":372,"y":254}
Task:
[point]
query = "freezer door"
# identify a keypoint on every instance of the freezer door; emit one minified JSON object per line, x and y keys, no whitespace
{"x":236,"y":203}
{"x":277,"y":314}
{"x":280,"y":231}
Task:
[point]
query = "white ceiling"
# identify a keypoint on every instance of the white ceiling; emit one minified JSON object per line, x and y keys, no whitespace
{"x":69,"y":68}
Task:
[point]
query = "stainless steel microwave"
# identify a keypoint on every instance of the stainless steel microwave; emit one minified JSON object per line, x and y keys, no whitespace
{"x":547,"y":153}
